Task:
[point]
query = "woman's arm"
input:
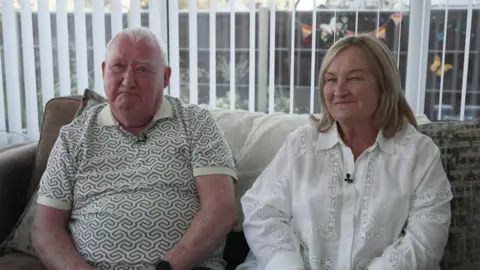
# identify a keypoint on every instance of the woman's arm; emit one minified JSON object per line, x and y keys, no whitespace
{"x":267,"y":211}
{"x":426,"y":233}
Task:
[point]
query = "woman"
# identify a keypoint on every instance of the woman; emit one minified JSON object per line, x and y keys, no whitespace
{"x":361,"y":188}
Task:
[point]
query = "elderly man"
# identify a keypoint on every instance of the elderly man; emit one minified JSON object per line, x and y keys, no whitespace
{"x":141,"y":180}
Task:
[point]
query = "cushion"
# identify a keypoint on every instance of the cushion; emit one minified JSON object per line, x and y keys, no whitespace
{"x":459,"y":143}
{"x":89,"y":100}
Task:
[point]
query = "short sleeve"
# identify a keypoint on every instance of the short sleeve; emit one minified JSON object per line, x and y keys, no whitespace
{"x":56,"y":185}
{"x":210,"y":151}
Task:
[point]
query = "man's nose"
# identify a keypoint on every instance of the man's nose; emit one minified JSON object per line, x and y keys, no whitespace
{"x":129,"y":78}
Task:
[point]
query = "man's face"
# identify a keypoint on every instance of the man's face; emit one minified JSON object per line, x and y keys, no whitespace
{"x":134,"y":78}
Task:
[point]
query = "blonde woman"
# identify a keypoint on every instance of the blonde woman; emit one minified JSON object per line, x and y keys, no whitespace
{"x":360,"y":188}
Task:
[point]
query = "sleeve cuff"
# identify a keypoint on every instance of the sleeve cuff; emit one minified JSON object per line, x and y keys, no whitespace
{"x":215,"y":170}
{"x":59,"y":204}
{"x":286,"y":260}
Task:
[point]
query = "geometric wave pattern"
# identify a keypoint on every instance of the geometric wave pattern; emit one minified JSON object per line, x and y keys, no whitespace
{"x":132,"y":202}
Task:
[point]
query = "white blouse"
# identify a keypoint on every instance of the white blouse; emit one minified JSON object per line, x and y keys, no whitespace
{"x":302,"y":214}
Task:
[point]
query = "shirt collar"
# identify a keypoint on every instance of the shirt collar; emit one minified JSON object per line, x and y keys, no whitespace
{"x":332,"y":137}
{"x":106,"y":118}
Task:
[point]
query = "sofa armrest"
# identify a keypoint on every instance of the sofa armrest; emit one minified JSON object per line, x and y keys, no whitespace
{"x":16,"y":167}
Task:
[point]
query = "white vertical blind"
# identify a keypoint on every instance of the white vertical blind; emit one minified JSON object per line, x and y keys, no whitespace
{"x":116,"y":16}
{"x":29,"y":77}
{"x":164,"y":23}
{"x":444,"y":46}
{"x":173,"y":44}
{"x":416,"y":50}
{"x":81,"y":46}
{"x":134,"y":13}
{"x":10,"y":44}
{"x":2,"y":100}
{"x":46,"y":57}
{"x":271,"y":65}
{"x":63,"y":48}
{"x":313,"y":58}
{"x":335,"y":27}
{"x":378,"y":20}
{"x":466,"y":59}
{"x":399,"y":43}
{"x":232,"y":55}
{"x":154,"y":17}
{"x":252,"y":52}
{"x":193,"y":51}
{"x":98,"y":30}
{"x":421,"y":87}
{"x":292,"y":56}
{"x":213,"y":53}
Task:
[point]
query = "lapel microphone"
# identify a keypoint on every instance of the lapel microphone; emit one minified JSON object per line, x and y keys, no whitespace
{"x":348,"y":179}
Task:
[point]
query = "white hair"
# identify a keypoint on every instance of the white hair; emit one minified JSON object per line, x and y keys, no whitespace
{"x":141,"y":33}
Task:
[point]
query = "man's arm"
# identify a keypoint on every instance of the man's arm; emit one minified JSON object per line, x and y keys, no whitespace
{"x":213,"y":222}
{"x":426,"y":233}
{"x":213,"y":169}
{"x":55,"y":196}
{"x":52,"y":242}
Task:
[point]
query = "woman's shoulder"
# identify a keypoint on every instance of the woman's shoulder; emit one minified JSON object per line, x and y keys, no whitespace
{"x":410,"y":140}
{"x":304,"y":137}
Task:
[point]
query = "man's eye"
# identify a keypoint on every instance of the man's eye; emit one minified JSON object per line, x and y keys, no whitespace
{"x":142,"y":69}
{"x":117,"y":66}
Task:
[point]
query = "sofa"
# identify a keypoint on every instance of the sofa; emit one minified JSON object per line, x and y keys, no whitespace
{"x":254,"y":138}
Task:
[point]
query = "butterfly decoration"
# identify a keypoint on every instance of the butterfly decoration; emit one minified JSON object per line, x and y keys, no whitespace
{"x":441,"y":36}
{"x":436,"y":66}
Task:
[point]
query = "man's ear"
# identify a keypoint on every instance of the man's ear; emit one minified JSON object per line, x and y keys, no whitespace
{"x":103,"y":69}
{"x":166,"y":77}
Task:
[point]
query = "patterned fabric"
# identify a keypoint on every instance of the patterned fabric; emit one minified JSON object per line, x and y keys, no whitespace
{"x":459,"y":144}
{"x":132,"y":200}
{"x":302,"y":214}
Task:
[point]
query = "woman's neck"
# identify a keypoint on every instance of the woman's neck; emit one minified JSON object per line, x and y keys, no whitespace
{"x":358,"y":136}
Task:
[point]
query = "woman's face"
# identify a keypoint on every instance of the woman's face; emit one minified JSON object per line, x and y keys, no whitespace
{"x":350,"y":89}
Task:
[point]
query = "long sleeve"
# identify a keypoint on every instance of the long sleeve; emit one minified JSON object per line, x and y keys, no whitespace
{"x":267,"y":210}
{"x":426,"y":233}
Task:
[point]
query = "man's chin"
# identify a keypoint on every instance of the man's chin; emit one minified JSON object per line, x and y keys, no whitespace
{"x":127,"y":106}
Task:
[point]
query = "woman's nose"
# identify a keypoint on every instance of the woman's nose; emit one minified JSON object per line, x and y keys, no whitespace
{"x":341,"y":89}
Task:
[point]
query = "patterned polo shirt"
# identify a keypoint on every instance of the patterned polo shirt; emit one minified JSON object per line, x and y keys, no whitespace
{"x":132,"y":198}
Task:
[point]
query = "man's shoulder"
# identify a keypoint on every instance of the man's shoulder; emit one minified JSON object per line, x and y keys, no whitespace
{"x":83,"y":122}
{"x":192,"y":112}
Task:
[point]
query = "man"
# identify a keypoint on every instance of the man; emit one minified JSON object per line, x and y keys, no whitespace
{"x":141,"y":180}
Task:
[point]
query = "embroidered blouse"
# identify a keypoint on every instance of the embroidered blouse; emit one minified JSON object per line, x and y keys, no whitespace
{"x":301,"y":213}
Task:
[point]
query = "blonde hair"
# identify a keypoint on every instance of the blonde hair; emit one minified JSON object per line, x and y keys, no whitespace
{"x":393,"y":107}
